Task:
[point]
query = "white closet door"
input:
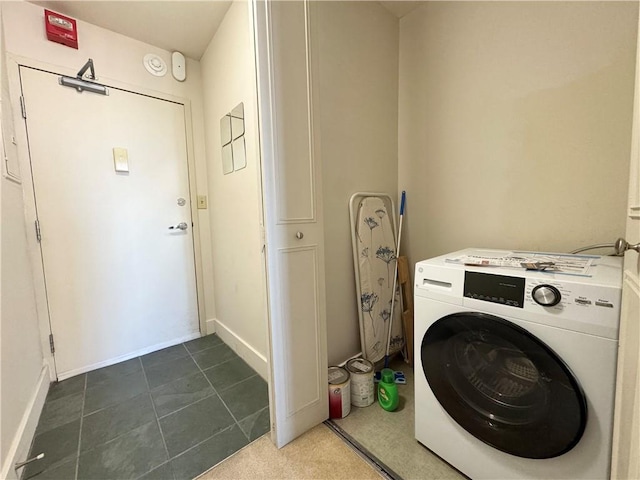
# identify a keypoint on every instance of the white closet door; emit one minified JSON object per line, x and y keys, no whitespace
{"x":293,"y":219}
{"x":626,"y":433}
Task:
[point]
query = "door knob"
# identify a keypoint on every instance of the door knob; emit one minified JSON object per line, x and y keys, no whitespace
{"x":622,"y":246}
{"x":180,"y":226}
{"x":299,"y":235}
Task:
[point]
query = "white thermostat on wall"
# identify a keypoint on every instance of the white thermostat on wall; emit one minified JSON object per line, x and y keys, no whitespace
{"x":178,"y":66}
{"x":154,"y":65}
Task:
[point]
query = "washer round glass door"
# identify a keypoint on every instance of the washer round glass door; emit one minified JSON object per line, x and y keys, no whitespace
{"x":503,"y":385}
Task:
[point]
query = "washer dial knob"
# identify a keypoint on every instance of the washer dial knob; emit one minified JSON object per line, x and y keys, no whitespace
{"x":546,"y":295}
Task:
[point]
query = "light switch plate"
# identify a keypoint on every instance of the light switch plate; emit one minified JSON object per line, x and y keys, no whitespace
{"x":121,"y":159}
{"x":202,"y":201}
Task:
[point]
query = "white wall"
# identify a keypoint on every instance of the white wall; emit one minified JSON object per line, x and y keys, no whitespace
{"x":117,"y":58}
{"x":228,"y":77}
{"x":357,"y":48}
{"x":20,"y":353}
{"x":514,"y":124}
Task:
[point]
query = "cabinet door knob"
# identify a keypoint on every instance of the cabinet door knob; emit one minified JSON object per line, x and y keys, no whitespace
{"x":299,"y":235}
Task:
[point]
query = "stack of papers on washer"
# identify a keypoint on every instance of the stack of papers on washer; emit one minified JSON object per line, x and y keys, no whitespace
{"x":548,"y":262}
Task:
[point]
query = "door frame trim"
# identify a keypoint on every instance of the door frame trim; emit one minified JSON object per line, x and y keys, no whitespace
{"x":14,"y":62}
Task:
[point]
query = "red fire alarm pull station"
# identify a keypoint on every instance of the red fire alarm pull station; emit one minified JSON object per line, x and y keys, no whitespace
{"x":61,"y":29}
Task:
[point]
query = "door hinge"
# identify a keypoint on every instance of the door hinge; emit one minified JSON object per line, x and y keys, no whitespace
{"x":51,"y":344}
{"x":23,"y":107}
{"x":38,"y":233}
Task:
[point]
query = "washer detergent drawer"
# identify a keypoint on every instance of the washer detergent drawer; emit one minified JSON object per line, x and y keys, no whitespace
{"x":439,"y":283}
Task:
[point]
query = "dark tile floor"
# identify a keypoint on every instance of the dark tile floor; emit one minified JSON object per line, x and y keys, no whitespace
{"x":171,"y":414}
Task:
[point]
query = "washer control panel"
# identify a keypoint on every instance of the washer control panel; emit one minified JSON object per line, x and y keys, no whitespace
{"x":563,"y":299}
{"x":493,"y":288}
{"x":563,"y":296}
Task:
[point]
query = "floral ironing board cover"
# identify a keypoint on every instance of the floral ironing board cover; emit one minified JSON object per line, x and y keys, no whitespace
{"x":376,"y":249}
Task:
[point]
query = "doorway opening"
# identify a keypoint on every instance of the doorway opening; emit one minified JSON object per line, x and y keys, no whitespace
{"x":146,"y":357}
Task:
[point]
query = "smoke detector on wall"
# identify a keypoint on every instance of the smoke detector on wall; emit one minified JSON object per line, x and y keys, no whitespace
{"x":154,"y":65}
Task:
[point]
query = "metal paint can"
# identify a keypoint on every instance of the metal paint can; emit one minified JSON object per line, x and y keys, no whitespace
{"x":361,"y":372}
{"x":339,"y":392}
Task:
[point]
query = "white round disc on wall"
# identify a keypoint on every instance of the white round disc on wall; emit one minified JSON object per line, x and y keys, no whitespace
{"x":154,"y":65}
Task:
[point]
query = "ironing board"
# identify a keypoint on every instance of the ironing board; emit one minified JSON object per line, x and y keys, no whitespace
{"x":373,"y":235}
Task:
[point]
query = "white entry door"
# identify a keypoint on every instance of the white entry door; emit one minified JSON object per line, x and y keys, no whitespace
{"x":119,"y":282}
{"x":293,"y":218}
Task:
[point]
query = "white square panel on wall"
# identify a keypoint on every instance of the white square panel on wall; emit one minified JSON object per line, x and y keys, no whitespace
{"x":232,"y":129}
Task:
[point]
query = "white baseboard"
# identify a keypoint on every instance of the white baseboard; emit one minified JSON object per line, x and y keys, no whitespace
{"x":255,"y":359}
{"x":122,"y":358}
{"x":211,"y":326}
{"x":357,"y":355}
{"x":27,"y":428}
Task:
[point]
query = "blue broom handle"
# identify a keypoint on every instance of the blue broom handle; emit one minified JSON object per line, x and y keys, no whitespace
{"x":395,"y":278}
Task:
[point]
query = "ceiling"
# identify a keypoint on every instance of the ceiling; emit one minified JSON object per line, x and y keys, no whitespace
{"x":186,"y":26}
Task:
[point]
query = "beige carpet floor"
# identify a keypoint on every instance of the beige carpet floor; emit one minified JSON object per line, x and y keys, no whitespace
{"x":318,"y":454}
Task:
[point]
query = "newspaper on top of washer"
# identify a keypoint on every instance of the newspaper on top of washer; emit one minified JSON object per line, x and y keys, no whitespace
{"x":548,"y":262}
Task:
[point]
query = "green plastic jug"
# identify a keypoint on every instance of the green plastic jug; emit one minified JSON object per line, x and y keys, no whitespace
{"x":388,"y":391}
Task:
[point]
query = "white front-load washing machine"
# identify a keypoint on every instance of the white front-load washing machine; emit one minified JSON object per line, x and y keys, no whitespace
{"x":515,"y":368}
